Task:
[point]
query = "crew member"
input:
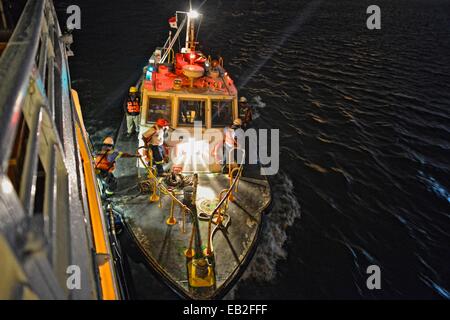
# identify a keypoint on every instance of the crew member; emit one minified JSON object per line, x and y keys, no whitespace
{"x":216,"y":67}
{"x":154,"y":139}
{"x":132,"y":108}
{"x":245,"y":112}
{"x":105,"y":164}
{"x":230,"y":142}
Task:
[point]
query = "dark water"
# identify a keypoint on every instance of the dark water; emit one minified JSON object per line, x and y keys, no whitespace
{"x":365,"y":131}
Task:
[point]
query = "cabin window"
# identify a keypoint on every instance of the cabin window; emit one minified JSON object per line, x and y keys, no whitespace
{"x":159,"y":108}
{"x":191,"y":111}
{"x":222,"y":112}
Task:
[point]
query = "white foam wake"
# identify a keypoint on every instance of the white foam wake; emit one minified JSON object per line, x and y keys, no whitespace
{"x":285,"y":211}
{"x":257,"y":104}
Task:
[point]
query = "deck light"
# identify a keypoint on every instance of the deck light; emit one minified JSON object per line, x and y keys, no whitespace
{"x":149,"y":73}
{"x":193,"y":152}
{"x":193,"y":14}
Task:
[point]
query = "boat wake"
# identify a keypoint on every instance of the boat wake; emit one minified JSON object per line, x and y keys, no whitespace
{"x":257,"y":104}
{"x":274,"y":233}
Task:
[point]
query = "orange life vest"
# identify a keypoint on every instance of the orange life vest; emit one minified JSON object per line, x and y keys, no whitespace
{"x":102,"y":163}
{"x":133,"y":106}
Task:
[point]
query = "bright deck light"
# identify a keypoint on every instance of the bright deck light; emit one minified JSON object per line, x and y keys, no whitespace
{"x":192,"y":153}
{"x":193,"y":14}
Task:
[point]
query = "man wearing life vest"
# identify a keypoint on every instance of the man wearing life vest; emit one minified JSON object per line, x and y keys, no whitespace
{"x":230,"y":142}
{"x":245,"y":113}
{"x":132,"y":109}
{"x":105,"y":164}
{"x":154,"y":140}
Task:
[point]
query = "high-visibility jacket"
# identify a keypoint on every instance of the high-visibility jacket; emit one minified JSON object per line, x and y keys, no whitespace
{"x":133,"y":107}
{"x":106,"y":160}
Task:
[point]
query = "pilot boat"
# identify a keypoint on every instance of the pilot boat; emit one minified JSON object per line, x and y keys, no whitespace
{"x":197,"y":227}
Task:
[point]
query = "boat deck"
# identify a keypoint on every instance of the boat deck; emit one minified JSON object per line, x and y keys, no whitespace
{"x":163,"y":245}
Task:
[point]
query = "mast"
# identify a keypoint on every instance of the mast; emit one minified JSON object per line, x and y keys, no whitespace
{"x":190,"y":28}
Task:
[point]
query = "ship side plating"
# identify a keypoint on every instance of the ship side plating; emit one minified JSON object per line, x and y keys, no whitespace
{"x":53,"y":233}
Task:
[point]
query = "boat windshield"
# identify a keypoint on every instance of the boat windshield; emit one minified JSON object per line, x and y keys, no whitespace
{"x":191,"y":111}
{"x":222,"y":112}
{"x":159,"y":108}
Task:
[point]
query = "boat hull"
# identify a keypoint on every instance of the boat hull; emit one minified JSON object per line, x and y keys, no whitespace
{"x":163,"y":246}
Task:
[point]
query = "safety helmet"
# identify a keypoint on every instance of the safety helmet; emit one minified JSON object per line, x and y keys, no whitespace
{"x":108,"y":141}
{"x":133,"y":90}
{"x":162,"y":123}
{"x":243,"y":99}
{"x":237,"y":122}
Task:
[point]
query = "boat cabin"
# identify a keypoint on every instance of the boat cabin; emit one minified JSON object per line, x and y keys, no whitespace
{"x":184,"y":92}
{"x":189,"y":90}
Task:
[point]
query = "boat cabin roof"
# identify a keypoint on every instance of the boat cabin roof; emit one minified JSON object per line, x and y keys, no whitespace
{"x":189,"y":73}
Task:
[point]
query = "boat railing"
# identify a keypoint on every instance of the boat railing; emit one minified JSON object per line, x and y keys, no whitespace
{"x":226,"y":196}
{"x":158,"y":190}
{"x":194,"y":252}
{"x":40,"y":167}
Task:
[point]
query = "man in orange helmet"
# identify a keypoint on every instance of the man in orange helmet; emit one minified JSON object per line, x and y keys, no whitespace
{"x":154,"y":140}
{"x":105,"y":164}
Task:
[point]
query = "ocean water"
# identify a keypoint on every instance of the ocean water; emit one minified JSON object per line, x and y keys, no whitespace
{"x":364,"y":118}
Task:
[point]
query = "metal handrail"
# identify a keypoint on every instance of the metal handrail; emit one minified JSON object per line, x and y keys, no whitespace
{"x":183,"y":206}
{"x":225,"y":198}
{"x":32,"y":66}
{"x":227,"y":195}
{"x":169,"y":38}
{"x":162,"y":188}
{"x":16,"y":65}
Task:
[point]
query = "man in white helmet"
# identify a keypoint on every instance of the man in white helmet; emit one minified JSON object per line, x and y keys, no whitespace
{"x":230,"y":142}
{"x":245,"y":112}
